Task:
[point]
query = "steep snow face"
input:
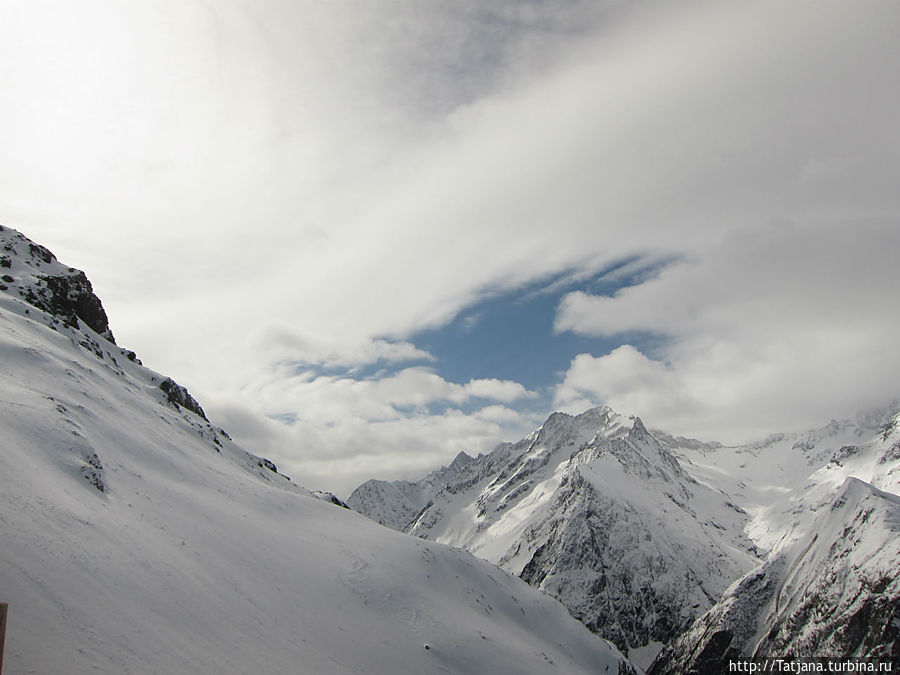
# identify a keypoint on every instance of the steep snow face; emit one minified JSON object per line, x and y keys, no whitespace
{"x":833,"y":592}
{"x":137,"y":538}
{"x":595,"y":511}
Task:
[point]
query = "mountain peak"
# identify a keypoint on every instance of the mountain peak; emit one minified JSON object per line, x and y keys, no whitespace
{"x":638,"y":430}
{"x":462,"y":459}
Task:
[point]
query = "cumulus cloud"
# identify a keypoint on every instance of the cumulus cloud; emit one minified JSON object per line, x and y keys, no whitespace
{"x":328,"y":398}
{"x":500,"y":414}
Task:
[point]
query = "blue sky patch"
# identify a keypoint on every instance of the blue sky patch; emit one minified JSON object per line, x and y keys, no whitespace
{"x":510,"y":336}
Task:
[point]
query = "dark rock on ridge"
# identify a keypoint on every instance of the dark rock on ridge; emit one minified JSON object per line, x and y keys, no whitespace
{"x":181,"y":397}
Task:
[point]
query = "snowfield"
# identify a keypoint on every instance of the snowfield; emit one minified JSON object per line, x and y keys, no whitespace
{"x":137,"y":538}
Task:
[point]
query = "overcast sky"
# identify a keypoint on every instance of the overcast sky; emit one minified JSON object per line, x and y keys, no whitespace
{"x":368,"y":235}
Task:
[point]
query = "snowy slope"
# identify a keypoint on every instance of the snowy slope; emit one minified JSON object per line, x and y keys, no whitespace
{"x":594,"y":511}
{"x":833,"y":592}
{"x":137,"y":538}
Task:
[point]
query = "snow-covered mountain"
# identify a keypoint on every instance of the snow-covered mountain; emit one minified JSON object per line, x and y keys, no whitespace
{"x":136,"y":537}
{"x":639,"y":533}
{"x":595,"y":511}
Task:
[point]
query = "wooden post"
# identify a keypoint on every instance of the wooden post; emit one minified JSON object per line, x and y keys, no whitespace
{"x":3,"y":609}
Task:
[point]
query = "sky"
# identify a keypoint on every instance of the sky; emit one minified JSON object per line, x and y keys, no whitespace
{"x":368,"y":235}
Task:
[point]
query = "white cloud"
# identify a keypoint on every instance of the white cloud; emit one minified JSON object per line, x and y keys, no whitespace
{"x":498,"y":390}
{"x":500,"y":414}
{"x":291,"y":183}
{"x":341,"y":451}
{"x":330,"y":398}
{"x":284,"y":344}
{"x":336,"y":431}
{"x":779,"y":327}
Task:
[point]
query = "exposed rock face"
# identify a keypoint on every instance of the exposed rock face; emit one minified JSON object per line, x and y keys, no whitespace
{"x":585,"y":561}
{"x":330,"y":498}
{"x":71,"y":297}
{"x":180,"y":397}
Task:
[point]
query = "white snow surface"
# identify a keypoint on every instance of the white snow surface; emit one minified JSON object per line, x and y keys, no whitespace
{"x":135,"y":537}
{"x":827,"y":503}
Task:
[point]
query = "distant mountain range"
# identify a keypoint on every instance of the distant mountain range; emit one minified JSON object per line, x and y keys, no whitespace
{"x":653,"y":540}
{"x":136,"y":537}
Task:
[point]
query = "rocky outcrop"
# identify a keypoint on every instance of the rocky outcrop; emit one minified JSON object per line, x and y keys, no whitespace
{"x":180,"y":397}
{"x":71,"y":297}
{"x":43,"y":282}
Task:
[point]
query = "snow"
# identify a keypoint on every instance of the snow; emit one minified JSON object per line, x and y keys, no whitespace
{"x":197,"y":557}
